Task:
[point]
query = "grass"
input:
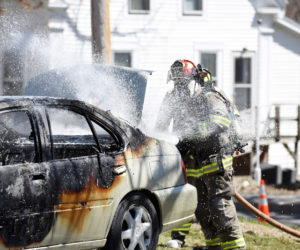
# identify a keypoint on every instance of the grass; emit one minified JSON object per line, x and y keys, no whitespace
{"x":253,"y":240}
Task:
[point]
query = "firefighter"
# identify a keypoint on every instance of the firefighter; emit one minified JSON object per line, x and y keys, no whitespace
{"x":207,"y":147}
{"x":176,"y":107}
{"x":175,"y":104}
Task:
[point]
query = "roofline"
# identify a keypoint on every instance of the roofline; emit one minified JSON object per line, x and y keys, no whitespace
{"x":288,"y":24}
{"x":268,"y":11}
{"x":275,"y":9}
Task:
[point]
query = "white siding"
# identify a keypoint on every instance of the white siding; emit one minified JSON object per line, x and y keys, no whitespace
{"x":73,"y":43}
{"x":285,"y":67}
{"x":164,"y":35}
{"x":285,"y":82}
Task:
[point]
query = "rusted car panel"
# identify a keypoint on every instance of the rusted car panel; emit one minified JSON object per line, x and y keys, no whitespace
{"x":63,"y":191}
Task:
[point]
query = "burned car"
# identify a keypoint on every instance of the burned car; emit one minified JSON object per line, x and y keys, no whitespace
{"x":74,"y":176}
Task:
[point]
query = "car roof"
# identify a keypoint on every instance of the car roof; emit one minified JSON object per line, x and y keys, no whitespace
{"x":12,"y":101}
{"x":29,"y":100}
{"x":7,"y":102}
{"x":129,"y":131}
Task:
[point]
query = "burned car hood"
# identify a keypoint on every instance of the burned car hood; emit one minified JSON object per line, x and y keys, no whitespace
{"x":118,"y":89}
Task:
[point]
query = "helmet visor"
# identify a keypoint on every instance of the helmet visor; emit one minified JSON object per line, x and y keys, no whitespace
{"x":180,"y":73}
{"x":176,"y":72}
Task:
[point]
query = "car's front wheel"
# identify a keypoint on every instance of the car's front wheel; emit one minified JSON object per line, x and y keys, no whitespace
{"x":135,"y":225}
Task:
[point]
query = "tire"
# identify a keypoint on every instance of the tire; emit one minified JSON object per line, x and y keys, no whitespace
{"x":135,"y":225}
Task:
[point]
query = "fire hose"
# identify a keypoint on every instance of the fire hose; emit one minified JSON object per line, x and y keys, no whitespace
{"x":254,"y":210}
{"x":260,"y":214}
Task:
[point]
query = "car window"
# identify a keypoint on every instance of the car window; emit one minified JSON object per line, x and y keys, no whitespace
{"x":71,"y":135}
{"x":17,"y":144}
{"x":106,"y":140}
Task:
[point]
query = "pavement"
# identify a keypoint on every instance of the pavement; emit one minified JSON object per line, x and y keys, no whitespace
{"x":285,"y":208}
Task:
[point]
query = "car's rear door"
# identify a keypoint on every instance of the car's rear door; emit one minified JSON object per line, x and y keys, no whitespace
{"x":25,"y":216}
{"x":80,"y":183}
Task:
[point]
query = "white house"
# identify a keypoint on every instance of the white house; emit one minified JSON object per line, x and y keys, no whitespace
{"x":251,"y":47}
{"x":23,"y":31}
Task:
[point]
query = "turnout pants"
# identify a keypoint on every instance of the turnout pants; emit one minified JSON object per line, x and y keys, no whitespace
{"x":216,"y":211}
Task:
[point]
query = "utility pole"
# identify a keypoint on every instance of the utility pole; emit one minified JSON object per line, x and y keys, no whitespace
{"x":100,"y":20}
{"x":257,"y":169}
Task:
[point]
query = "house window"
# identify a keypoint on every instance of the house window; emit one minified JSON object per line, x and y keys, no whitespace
{"x":12,"y":73}
{"x":243,"y":81}
{"x":139,"y":6}
{"x":192,"y":7}
{"x":123,"y":59}
{"x":209,"y":61}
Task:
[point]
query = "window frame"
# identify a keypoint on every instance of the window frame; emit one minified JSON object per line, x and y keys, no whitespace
{"x":111,"y":130}
{"x":123,"y":51}
{"x":193,"y":12}
{"x":35,"y":129}
{"x":217,"y":63}
{"x":244,"y":85}
{"x":143,"y":12}
{"x":90,"y":117}
{"x":72,"y":109}
{"x":119,"y":45}
{"x":217,"y":48}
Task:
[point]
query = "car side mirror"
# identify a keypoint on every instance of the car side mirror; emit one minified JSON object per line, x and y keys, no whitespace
{"x":31,"y":136}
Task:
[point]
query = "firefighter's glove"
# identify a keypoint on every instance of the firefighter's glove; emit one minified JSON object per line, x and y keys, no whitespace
{"x":183,"y":146}
{"x":239,"y":146}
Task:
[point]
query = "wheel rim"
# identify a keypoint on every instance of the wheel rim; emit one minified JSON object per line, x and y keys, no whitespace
{"x":136,"y":228}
